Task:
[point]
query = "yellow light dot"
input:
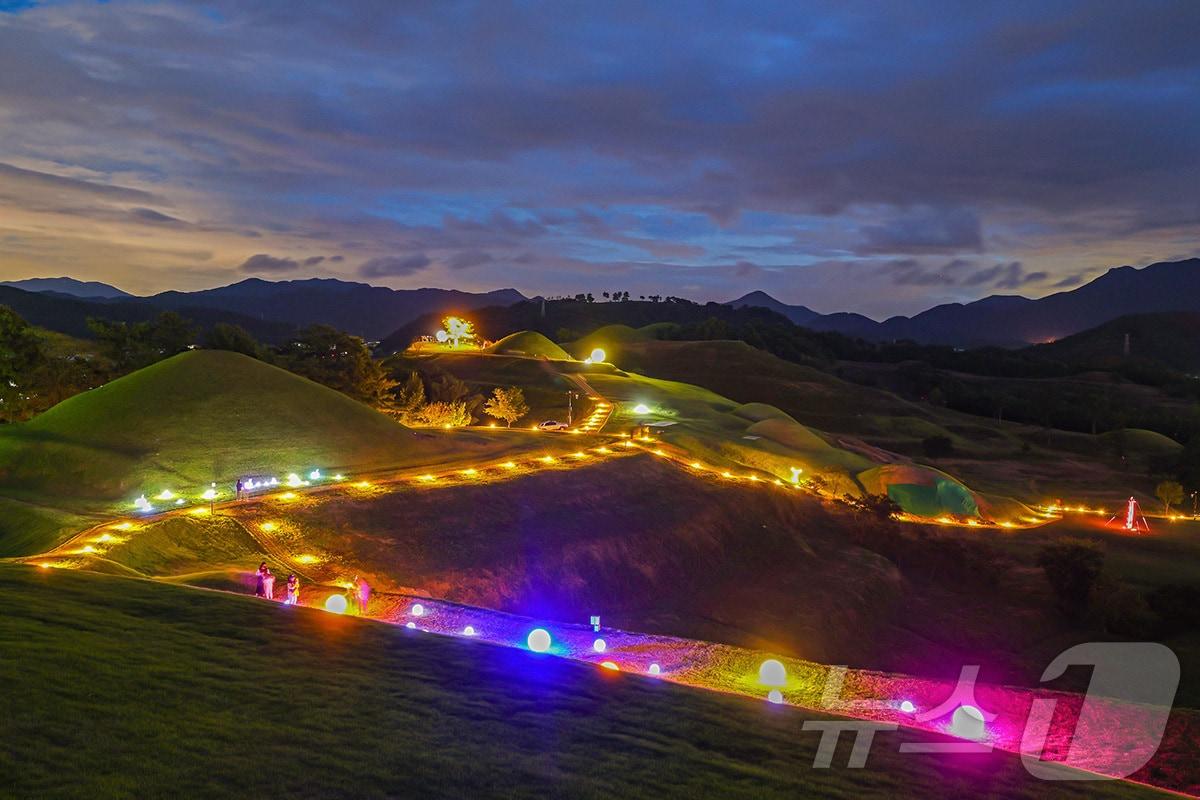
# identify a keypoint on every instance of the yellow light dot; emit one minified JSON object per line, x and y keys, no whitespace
{"x":470,"y":472}
{"x":726,"y":474}
{"x":547,"y":459}
{"x":604,"y":450}
{"x":363,"y":484}
{"x":268,"y":526}
{"x":427,"y":478}
{"x":87,"y":548}
{"x":579,"y":454}
{"x":124,"y":526}
{"x":104,"y":537}
{"x":288,"y":496}
{"x":307,"y":558}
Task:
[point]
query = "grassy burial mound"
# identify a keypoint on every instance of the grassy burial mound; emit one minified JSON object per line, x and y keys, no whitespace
{"x":530,"y":344}
{"x":197,"y":417}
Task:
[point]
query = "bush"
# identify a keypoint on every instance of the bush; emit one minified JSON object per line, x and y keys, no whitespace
{"x":1072,"y":567}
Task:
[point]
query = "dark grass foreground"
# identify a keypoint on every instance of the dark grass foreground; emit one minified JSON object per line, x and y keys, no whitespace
{"x":118,"y":687}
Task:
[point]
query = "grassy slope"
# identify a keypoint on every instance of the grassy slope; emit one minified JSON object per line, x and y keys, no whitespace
{"x":990,"y":456}
{"x":157,"y":690}
{"x":189,"y":420}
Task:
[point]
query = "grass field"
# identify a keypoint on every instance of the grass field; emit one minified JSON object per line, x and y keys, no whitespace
{"x":118,"y":687}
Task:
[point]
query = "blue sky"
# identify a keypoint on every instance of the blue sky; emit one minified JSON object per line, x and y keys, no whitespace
{"x":871,"y":157}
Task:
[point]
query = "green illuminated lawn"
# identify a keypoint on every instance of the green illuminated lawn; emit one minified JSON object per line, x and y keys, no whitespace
{"x":116,"y":687}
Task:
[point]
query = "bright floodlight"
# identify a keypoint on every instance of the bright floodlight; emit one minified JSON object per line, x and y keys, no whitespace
{"x":469,"y":630}
{"x":967,"y":723}
{"x":598,"y":356}
{"x":775,"y":696}
{"x":641,"y":408}
{"x":336,"y":603}
{"x":907,"y":707}
{"x":599,"y":645}
{"x":538,"y":640}
{"x":772,"y":673}
{"x":418,"y":610}
{"x":655,"y":669}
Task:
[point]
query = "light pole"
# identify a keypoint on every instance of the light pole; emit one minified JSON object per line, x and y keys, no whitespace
{"x":570,"y":406}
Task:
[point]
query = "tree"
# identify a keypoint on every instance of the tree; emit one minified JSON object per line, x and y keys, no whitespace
{"x":410,"y":397}
{"x":507,"y":404}
{"x":340,"y":361}
{"x":1170,"y":493}
{"x":143,"y":343}
{"x":234,"y":338}
{"x":444,"y":415}
{"x":1072,"y":567}
{"x":456,"y":331}
{"x":20,"y":354}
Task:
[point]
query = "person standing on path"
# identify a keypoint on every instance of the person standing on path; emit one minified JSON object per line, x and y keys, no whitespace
{"x":268,"y":584}
{"x":363,"y":592}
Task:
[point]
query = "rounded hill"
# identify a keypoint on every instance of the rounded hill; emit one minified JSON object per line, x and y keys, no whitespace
{"x":197,"y":417}
{"x":528,"y":343}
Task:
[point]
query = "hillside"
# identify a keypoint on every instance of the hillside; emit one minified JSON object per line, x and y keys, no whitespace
{"x":371,"y":312}
{"x":567,"y":320}
{"x":1010,"y":321}
{"x":197,"y":417}
{"x":226,"y":696}
{"x":1170,"y":339}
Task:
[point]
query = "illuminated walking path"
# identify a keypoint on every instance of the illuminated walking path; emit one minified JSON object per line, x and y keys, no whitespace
{"x":1111,"y":731}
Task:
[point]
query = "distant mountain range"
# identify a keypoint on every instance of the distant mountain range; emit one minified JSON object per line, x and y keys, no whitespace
{"x":1009,"y":320}
{"x":271,"y":310}
{"x":68,"y":286}
{"x":358,"y":308}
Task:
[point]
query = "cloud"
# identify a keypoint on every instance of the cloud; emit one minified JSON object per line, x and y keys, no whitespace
{"x":393,"y":266}
{"x":468,"y":259}
{"x":1005,"y":276}
{"x":266,"y":263}
{"x":926,"y":230}
{"x":805,"y":133}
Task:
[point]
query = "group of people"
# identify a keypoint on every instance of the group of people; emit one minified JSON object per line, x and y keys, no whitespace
{"x":265,"y":586}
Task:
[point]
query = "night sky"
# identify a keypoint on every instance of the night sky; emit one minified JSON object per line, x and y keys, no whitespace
{"x":874,"y":157}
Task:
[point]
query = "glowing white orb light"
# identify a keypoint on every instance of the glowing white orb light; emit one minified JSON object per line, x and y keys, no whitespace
{"x":142,"y":504}
{"x":293,"y":480}
{"x":538,"y":640}
{"x":907,"y":707}
{"x":469,"y":630}
{"x":209,"y":494}
{"x":967,"y":723}
{"x":410,"y":625}
{"x":418,"y":610}
{"x":179,"y":501}
{"x":641,"y":408}
{"x":165,"y":494}
{"x":336,"y":604}
{"x":599,"y":645}
{"x":441,"y":336}
{"x":598,"y":356}
{"x":315,"y":475}
{"x":772,"y":673}
{"x":775,"y":696}
{"x":655,"y":669}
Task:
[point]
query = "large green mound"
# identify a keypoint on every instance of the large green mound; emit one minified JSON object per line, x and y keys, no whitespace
{"x":197,"y":417}
{"x":528,"y":343}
